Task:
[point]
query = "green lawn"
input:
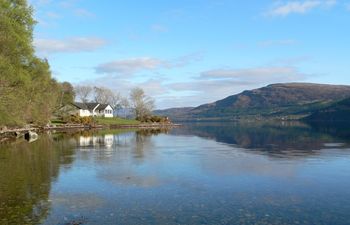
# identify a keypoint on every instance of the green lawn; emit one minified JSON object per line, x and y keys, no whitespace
{"x":116,"y":121}
{"x":57,"y":122}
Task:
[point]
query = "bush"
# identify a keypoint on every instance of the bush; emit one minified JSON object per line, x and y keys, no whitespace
{"x":154,"y":119}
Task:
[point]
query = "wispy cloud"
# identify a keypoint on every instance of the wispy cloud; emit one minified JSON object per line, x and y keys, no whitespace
{"x":159,"y":28}
{"x":130,"y":66}
{"x":254,"y":75}
{"x":54,"y":9}
{"x":347,"y":6}
{"x":81,"y":12}
{"x":298,"y":7}
{"x":67,"y":3}
{"x":39,"y":2}
{"x":53,"y":15}
{"x":271,"y":43}
{"x":77,"y":44}
{"x":221,"y":83}
{"x":134,"y":65}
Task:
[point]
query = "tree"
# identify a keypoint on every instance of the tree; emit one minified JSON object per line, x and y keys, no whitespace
{"x":115,"y":100}
{"x":142,"y":104}
{"x":83,"y":92}
{"x":67,"y":93}
{"x":106,"y":96}
{"x":27,"y":91}
{"x":42,"y":93}
{"x":125,"y":104}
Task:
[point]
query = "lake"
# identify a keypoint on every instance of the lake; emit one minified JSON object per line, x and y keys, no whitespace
{"x":201,"y":173}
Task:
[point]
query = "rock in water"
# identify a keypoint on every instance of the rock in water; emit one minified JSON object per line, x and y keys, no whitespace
{"x":31,"y":136}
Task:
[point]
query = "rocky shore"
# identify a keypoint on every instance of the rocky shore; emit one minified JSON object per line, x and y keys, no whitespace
{"x":9,"y":134}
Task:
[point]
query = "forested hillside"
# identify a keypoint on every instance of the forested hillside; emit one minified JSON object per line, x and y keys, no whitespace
{"x":339,"y":111}
{"x":287,"y":101}
{"x":28,"y":93}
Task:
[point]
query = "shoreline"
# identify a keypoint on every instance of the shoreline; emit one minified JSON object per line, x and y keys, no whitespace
{"x":15,"y":133}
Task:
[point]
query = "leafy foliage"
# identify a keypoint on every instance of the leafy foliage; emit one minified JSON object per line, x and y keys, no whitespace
{"x":154,"y":119}
{"x":28,"y":93}
{"x":337,"y":112}
{"x":88,"y":120}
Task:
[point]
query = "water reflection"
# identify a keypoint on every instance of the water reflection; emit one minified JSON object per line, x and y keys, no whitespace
{"x":277,"y":173}
{"x":279,"y":139}
{"x":27,"y":172}
{"x":96,"y":141}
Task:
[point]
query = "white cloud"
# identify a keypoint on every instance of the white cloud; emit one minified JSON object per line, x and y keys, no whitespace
{"x":209,"y":86}
{"x":221,"y":83}
{"x":299,"y":7}
{"x":42,"y":6}
{"x":152,"y":87}
{"x":130,"y":66}
{"x":77,"y":44}
{"x":254,"y":75}
{"x":134,"y":65}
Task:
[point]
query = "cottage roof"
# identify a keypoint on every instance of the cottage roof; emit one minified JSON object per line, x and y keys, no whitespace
{"x":102,"y":106}
{"x":79,"y":105}
{"x":89,"y":106}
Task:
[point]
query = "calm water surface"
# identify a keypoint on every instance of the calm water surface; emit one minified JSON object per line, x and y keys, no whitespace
{"x":196,"y":174}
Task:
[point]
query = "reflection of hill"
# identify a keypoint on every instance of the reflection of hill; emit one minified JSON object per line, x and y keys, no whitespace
{"x":27,"y":171}
{"x":284,"y":138}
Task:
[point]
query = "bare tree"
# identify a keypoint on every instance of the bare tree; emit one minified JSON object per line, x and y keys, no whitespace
{"x":115,"y":100}
{"x":106,"y":96}
{"x":125,"y":104}
{"x":142,"y":104}
{"x":83,"y":92}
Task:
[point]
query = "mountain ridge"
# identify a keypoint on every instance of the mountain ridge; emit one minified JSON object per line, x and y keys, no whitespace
{"x":280,"y":100}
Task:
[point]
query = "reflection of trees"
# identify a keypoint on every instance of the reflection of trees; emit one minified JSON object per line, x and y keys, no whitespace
{"x":26,"y":172}
{"x":150,"y":132}
{"x":270,"y":137}
{"x":337,"y":129}
{"x":143,"y":140}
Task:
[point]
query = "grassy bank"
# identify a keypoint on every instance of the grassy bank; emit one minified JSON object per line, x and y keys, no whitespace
{"x":116,"y":121}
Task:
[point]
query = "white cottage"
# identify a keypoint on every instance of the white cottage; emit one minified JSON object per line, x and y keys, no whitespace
{"x":93,"y":109}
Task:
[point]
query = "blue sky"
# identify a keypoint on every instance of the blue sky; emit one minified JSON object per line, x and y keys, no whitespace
{"x":190,"y":52}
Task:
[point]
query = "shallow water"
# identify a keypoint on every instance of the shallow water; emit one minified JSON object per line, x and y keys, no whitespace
{"x":196,"y":174}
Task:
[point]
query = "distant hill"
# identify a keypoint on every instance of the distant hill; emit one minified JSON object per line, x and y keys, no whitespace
{"x":337,"y":112}
{"x":286,"y":101}
{"x":178,"y":113}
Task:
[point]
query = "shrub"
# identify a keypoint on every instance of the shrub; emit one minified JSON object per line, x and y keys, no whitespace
{"x":154,"y":119}
{"x":79,"y":120}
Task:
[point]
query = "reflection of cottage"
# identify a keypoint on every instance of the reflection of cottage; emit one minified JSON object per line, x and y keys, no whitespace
{"x":108,"y":140}
{"x":96,"y":141}
{"x":93,"y":109}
